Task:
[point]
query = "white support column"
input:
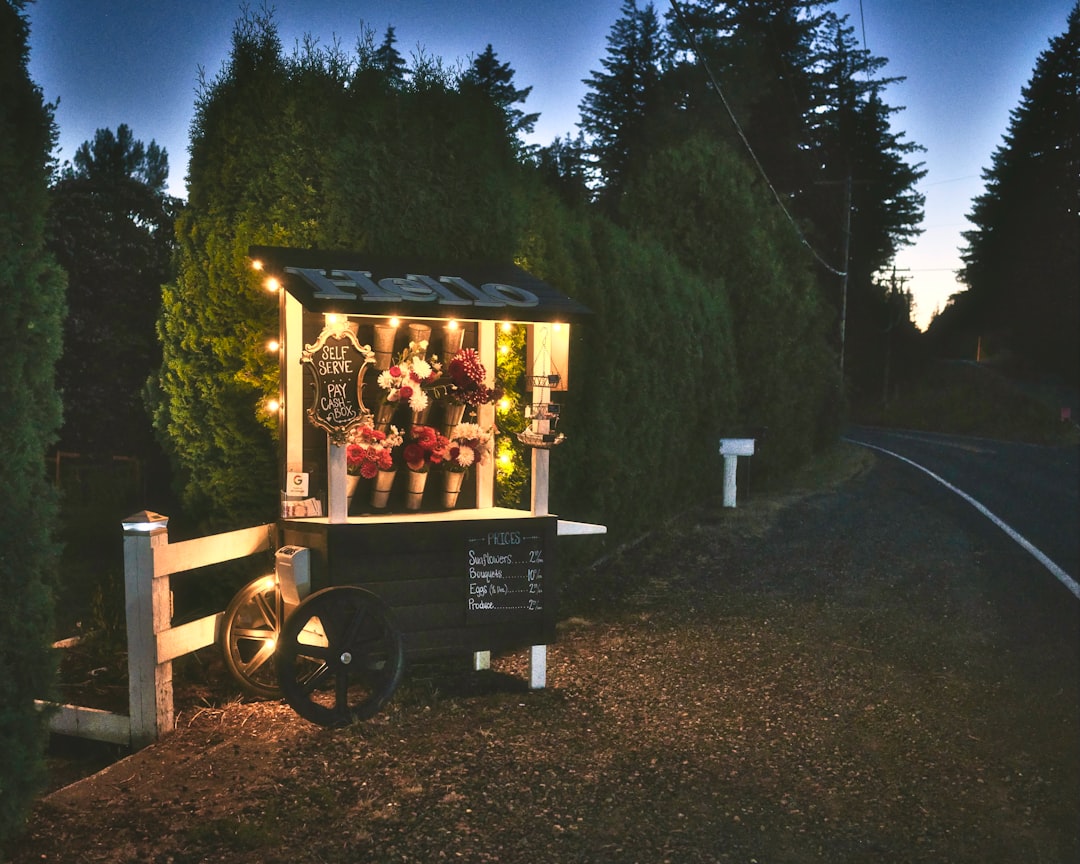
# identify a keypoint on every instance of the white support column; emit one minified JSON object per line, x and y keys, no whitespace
{"x":148,"y":607}
{"x":337,"y":472}
{"x":731,"y":464}
{"x":538,"y":667}
{"x":485,"y":414}
{"x":292,"y":378}
{"x":731,"y":449}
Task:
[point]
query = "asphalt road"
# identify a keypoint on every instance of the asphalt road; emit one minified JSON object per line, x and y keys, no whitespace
{"x":1034,"y":490}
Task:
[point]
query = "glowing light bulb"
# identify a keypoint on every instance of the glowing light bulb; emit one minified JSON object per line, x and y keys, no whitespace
{"x":273,"y":346}
{"x":504,"y":404}
{"x":272,"y":284}
{"x":256,"y":264}
{"x":451,"y":324}
{"x":273,"y":406}
{"x":507,"y":327}
{"x":394,"y":321}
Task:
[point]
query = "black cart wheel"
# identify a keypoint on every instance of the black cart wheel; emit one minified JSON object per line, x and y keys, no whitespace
{"x":340,"y":656}
{"x":249,"y":635}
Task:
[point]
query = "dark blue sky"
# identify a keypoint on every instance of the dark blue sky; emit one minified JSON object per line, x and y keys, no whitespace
{"x":137,"y":62}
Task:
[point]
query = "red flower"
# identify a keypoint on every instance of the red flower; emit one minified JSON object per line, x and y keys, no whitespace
{"x":414,"y":456}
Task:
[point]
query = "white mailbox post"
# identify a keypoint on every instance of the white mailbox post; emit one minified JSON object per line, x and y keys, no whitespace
{"x":731,"y":449}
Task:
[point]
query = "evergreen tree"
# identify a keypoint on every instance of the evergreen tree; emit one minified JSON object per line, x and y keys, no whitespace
{"x":621,"y":115}
{"x":389,"y":61}
{"x":31,"y":320}
{"x":496,"y":79}
{"x":861,"y":202}
{"x":215,"y":374}
{"x":111,"y":228}
{"x":422,"y":170}
{"x":564,"y":166}
{"x":1022,"y":259}
{"x":761,"y":55}
{"x":702,"y":202}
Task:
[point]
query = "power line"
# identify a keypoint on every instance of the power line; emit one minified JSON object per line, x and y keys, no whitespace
{"x":746,"y":143}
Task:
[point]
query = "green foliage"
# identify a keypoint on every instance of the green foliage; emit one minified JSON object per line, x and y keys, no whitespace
{"x":1022,"y":261}
{"x":111,"y":228}
{"x":31,"y":312}
{"x":512,"y":457}
{"x":418,"y":169}
{"x":653,"y":376}
{"x":496,"y":80}
{"x":706,"y":320}
{"x":701,"y":202}
{"x":620,"y":113}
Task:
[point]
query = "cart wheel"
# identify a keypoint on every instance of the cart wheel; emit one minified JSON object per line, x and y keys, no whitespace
{"x":340,"y":656}
{"x":249,"y":635}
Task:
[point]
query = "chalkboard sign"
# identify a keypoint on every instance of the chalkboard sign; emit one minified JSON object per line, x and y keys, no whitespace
{"x":506,"y":564}
{"x":337,"y":362}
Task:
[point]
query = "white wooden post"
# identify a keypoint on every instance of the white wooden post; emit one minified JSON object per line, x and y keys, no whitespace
{"x":541,"y":466}
{"x":731,"y":449}
{"x":337,"y":470}
{"x":486,"y":339}
{"x":148,"y":606}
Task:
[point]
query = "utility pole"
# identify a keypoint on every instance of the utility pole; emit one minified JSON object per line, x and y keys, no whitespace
{"x":844,"y":278}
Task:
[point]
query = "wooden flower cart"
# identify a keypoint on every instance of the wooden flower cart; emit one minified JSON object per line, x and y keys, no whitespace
{"x":372,"y":572}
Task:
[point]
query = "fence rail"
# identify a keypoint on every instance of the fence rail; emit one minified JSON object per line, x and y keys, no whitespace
{"x":153,"y":643}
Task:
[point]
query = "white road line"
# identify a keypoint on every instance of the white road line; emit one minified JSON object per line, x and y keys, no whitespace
{"x":1063,"y":577}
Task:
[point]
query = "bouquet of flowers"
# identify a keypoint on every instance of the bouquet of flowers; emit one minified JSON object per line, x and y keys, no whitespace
{"x":369,"y":451}
{"x":425,"y":448}
{"x":470,"y":445}
{"x":403,"y":382}
{"x":467,"y":376}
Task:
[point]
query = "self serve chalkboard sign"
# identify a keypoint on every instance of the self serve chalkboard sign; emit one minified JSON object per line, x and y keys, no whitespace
{"x":337,"y":362}
{"x":506,"y":572}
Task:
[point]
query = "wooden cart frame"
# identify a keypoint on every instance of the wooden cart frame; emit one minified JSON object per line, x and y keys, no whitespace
{"x":379,"y":587}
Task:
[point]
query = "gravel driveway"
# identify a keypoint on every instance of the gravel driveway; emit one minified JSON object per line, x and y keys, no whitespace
{"x":869,"y":673}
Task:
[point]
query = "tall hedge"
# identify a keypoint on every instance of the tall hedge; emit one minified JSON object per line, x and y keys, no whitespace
{"x":312,"y":150}
{"x":653,"y":372}
{"x":31,"y":315}
{"x":702,"y":203}
{"x":705,"y":318}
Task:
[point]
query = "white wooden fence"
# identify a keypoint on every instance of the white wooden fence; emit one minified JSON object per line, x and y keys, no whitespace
{"x":153,"y":643}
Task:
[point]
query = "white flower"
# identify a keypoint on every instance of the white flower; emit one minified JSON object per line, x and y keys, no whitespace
{"x":421,"y":368}
{"x":465,"y":457}
{"x":419,"y":400}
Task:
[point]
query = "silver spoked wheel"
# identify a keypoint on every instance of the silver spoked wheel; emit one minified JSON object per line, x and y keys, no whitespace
{"x":249,"y":636}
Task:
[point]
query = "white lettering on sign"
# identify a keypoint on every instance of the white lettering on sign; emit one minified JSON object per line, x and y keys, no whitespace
{"x":351,"y":285}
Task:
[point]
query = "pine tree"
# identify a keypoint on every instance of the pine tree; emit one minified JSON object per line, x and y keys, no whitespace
{"x":111,"y":228}
{"x":621,"y":115}
{"x":564,"y":166}
{"x":496,"y":79}
{"x":389,"y":61}
{"x":760,"y":54}
{"x":31,"y":321}
{"x":1022,"y":260}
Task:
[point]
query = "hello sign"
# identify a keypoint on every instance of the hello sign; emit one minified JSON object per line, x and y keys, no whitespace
{"x":356,"y":283}
{"x":350,"y":285}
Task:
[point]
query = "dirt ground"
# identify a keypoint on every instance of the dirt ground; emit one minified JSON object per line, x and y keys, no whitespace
{"x":834,"y":676}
